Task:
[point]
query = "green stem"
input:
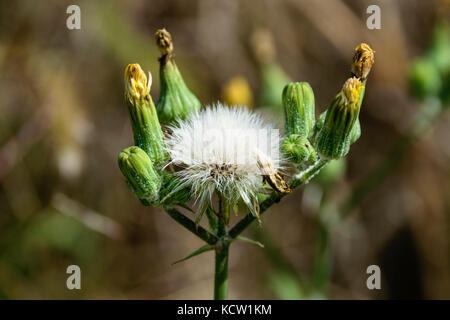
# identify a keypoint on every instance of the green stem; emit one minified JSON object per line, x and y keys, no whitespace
{"x":275,"y":197}
{"x":221,"y":272}
{"x":199,"y":231}
{"x":221,"y":266}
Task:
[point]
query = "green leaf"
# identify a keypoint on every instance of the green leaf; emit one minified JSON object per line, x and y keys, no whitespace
{"x":245,"y":239}
{"x":206,"y":247}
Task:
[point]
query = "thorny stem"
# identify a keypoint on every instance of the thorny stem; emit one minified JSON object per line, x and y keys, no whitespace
{"x":221,"y":267}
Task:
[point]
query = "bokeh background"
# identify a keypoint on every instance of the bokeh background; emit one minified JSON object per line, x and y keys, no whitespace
{"x":63,"y":122}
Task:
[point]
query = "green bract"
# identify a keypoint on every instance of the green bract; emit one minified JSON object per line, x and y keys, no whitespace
{"x":299,"y":150}
{"x":176,"y":100}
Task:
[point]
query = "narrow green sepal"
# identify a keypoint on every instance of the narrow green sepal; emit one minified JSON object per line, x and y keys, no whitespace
{"x":205,"y":248}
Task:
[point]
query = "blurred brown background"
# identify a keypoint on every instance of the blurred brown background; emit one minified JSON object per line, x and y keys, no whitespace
{"x":63,"y":122}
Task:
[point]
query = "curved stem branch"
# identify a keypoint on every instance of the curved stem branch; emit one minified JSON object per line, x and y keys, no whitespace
{"x":275,"y":197}
{"x":199,"y":231}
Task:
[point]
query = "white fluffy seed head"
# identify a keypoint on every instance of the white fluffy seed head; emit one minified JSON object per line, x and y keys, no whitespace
{"x":224,"y":149}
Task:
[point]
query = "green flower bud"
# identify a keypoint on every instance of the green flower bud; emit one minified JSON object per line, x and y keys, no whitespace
{"x":299,"y":150}
{"x":144,"y":120}
{"x":298,"y":103}
{"x":176,"y":100}
{"x":333,"y":139}
{"x":140,"y":174}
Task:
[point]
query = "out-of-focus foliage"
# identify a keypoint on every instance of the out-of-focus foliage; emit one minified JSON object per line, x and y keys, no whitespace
{"x":63,"y":119}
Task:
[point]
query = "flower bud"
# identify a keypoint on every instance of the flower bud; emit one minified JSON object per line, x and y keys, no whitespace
{"x":299,"y":150}
{"x":298,"y":103}
{"x":176,"y":100}
{"x":137,"y":87}
{"x":332,"y":140}
{"x":363,"y":60}
{"x":140,"y":174}
{"x":144,"y":120}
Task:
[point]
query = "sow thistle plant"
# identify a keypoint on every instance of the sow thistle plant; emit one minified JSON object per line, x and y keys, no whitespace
{"x":226,"y":158}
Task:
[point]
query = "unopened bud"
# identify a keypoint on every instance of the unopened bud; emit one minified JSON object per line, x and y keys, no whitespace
{"x":333,"y":139}
{"x":136,"y":84}
{"x":299,"y":151}
{"x":144,"y":119}
{"x":298,"y":104}
{"x":141,"y":176}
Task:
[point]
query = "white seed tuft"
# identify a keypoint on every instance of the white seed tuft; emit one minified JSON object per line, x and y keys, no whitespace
{"x":227,"y":150}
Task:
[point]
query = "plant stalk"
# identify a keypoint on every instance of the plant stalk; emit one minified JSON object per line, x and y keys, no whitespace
{"x":222,"y":246}
{"x":190,"y":225}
